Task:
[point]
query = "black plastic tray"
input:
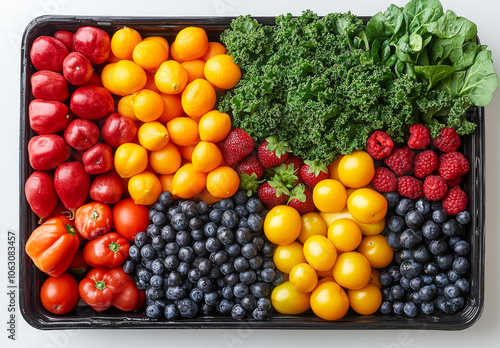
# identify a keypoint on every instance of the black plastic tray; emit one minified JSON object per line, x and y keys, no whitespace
{"x":84,"y":317}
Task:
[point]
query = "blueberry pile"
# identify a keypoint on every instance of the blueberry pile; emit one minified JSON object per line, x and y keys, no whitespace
{"x":431,"y":267}
{"x":196,"y":259}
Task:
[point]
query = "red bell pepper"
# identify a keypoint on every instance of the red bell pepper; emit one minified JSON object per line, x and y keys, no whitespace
{"x":110,"y":250}
{"x":106,"y":287}
{"x":53,"y":245}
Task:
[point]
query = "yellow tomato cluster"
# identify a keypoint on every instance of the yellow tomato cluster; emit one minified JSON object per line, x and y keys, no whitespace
{"x":331,"y":257}
{"x":169,"y":91}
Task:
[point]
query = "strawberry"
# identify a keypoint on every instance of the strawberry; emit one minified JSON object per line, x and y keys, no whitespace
{"x":273,"y":192}
{"x":287,"y":174}
{"x":296,"y":160}
{"x":251,"y":165}
{"x":272,"y":152}
{"x":236,"y":146}
{"x":312,"y":173}
{"x":301,"y":198}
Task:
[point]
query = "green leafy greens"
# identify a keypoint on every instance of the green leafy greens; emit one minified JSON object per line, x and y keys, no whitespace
{"x":324,"y":84}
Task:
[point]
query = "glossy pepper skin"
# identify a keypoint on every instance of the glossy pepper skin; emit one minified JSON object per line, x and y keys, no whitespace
{"x":110,"y":250}
{"x":106,"y":287}
{"x":53,"y":245}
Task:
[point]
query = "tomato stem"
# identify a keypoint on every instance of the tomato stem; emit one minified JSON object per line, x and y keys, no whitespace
{"x":100,"y":284}
{"x":114,"y":246}
{"x":94,"y":215}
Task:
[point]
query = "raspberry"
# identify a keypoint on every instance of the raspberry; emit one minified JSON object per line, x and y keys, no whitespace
{"x":410,"y":187}
{"x":435,"y":187}
{"x":452,"y":165}
{"x":455,"y":201}
{"x":379,"y":145}
{"x":400,"y":161}
{"x":447,"y":141}
{"x":425,"y":163}
{"x":455,"y":182}
{"x":419,"y":138}
{"x":384,"y":180}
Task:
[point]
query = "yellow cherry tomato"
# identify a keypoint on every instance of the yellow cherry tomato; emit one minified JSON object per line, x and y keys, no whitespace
{"x":320,"y":253}
{"x":287,"y":300}
{"x":357,"y":169}
{"x":367,"y":205}
{"x":329,"y":196}
{"x":345,"y":234}
{"x":282,"y":225}
{"x":333,"y":169}
{"x":312,"y":225}
{"x":329,"y":301}
{"x":303,"y":277}
{"x":366,"y":300}
{"x":352,"y":270}
{"x":287,"y":256}
{"x":144,"y":188}
{"x":327,"y":273}
{"x":374,"y":278}
{"x":130,"y":159}
{"x":376,"y":250}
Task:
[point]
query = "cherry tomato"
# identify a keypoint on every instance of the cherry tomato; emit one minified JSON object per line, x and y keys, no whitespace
{"x":329,"y":301}
{"x":312,"y":224}
{"x":130,"y":218}
{"x":374,"y":278}
{"x":333,"y":169}
{"x":287,"y":256}
{"x":287,"y":300}
{"x":303,"y":277}
{"x":320,"y":253}
{"x":59,"y":295}
{"x":282,"y":225}
{"x":352,"y":270}
{"x":93,"y":220}
{"x":345,"y":234}
{"x":357,"y":169}
{"x":327,"y":273}
{"x":329,"y":196}
{"x":367,"y":205}
{"x":366,"y":300}
{"x":376,"y":250}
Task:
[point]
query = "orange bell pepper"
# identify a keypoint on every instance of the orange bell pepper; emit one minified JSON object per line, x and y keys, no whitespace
{"x":53,"y":245}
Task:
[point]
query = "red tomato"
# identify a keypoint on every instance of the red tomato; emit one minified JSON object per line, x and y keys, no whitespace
{"x":93,"y":220}
{"x":78,"y":267}
{"x":60,"y":295}
{"x":130,"y":218}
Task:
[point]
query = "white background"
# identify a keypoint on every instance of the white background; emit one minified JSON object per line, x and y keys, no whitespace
{"x":15,"y":16}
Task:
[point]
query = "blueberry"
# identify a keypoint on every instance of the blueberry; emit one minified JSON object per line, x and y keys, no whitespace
{"x":226,"y":203}
{"x":404,"y":206}
{"x":441,"y":280}
{"x":249,"y":302}
{"x":439,"y":216}
{"x":243,"y":222}
{"x":242,"y":211}
{"x":427,"y":307}
{"x":258,"y":241}
{"x":453,"y":276}
{"x":225,"y":235}
{"x":157,"y":267}
{"x":211,"y":298}
{"x":199,"y":248}
{"x":254,"y":205}
{"x":240,"y":197}
{"x":141,"y":239}
{"x":410,"y":268}
{"x":414,"y":297}
{"x":232,"y":279}
{"x":267,"y":249}
{"x":158,"y":206}
{"x":227,"y":292}
{"x":212,"y":244}
{"x":153,"y":311}
{"x":233,"y":250}
{"x":154,"y":294}
{"x":187,"y":308}
{"x":463,"y":217}
{"x":386,"y":307}
{"x":128,"y":266}
{"x":426,"y":293}
{"x":215,"y":215}
{"x":195,"y":223}
{"x":148,"y":252}
{"x":206,"y":310}
{"x":268,"y":275}
{"x":183,"y":268}
{"x":171,"y":312}
{"x":451,"y":291}
{"x":398,"y":307}
{"x":143,"y":274}
{"x":248,"y":250}
{"x":416,"y":283}
{"x":134,"y":253}
{"x":461,"y":265}
{"x":414,"y":219}
{"x":450,"y":306}
{"x":427,"y":279}
{"x":151,"y":213}
{"x":248,"y":277}
{"x":147,"y":263}
{"x":159,"y":219}
{"x":174,"y":279}
{"x":168,"y":233}
{"x":171,"y":248}
{"x":165,"y":198}
{"x":240,"y":290}
{"x":392,"y":199}
{"x":255,"y":222}
{"x":410,"y":309}
{"x":158,"y":243}
{"x":445,"y":261}
{"x":408,"y":238}
{"x":260,"y":289}
{"x":422,"y":206}
{"x":243,"y":235}
{"x":179,"y":221}
{"x":190,"y":209}
{"x":220,"y":257}
{"x":255,"y":262}
{"x":438,"y":246}
{"x":421,"y":253}
{"x":215,"y":272}
{"x":279,"y":279}
{"x":156,"y":281}
{"x":405,"y":283}
{"x":196,"y":295}
{"x":141,"y":284}
{"x":461,"y":248}
{"x":395,"y":273}
{"x":205,"y":284}
{"x":238,"y":312}
{"x":227,"y":268}
{"x":397,"y":292}
{"x":396,"y":223}
{"x":225,"y":307}
{"x":172,"y":211}
{"x":402,"y":254}
{"x":194,"y":275}
{"x":385,"y":279}
{"x":450,"y":228}
{"x":463,"y":285}
{"x":431,"y":230}
{"x":431,"y":268}
{"x":183,"y":238}
{"x":241,"y":264}
{"x":264,"y":303}
{"x":176,"y":292}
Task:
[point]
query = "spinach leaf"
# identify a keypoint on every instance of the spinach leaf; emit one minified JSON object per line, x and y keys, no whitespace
{"x":450,"y":25}
{"x":432,"y":74}
{"x":416,"y":42}
{"x":469,"y":51}
{"x":420,"y":12}
{"x":389,"y":24}
{"x":481,"y":80}
{"x":443,"y":49}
